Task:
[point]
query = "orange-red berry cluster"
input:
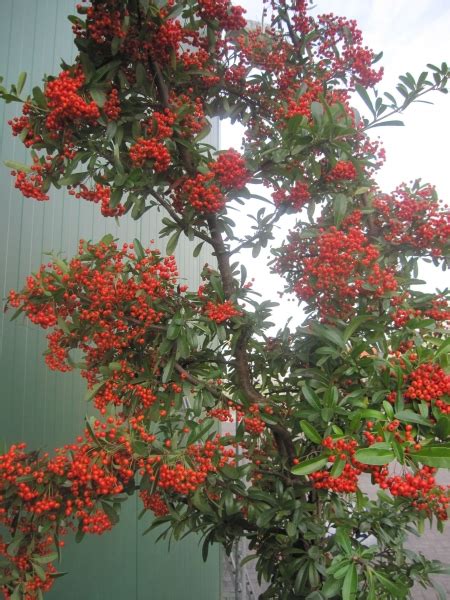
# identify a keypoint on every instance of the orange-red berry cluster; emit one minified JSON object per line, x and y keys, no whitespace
{"x":342,"y":170}
{"x":347,"y":481}
{"x":100,"y":194}
{"x":419,"y":486}
{"x":221,"y":311}
{"x":108,"y":301}
{"x":67,"y":106}
{"x":335,"y":270}
{"x":296,"y":197}
{"x":429,"y":382}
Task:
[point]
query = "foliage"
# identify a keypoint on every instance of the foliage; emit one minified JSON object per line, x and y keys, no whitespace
{"x":360,"y":390}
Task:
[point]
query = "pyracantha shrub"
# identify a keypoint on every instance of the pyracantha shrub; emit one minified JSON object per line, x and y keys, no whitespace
{"x":358,"y":394}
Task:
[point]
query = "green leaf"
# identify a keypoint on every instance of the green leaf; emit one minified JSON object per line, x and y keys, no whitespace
{"x":377,"y":454}
{"x":338,"y":467}
{"x":365,"y":97}
{"x":342,"y":538}
{"x":443,"y":348}
{"x":167,"y":372}
{"x":311,"y":432}
{"x":387,"y":124}
{"x":44,"y":560}
{"x":433,"y":455}
{"x":74,"y":178}
{"x":340,"y":208}
{"x":197,"y":249}
{"x":17,"y":594}
{"x":409,"y":416}
{"x":309,"y":466}
{"x":15,"y":544}
{"x":443,"y":427}
{"x":110,"y":512}
{"x":17,"y":166}
{"x":39,"y":572}
{"x":397,"y":589}
{"x":354,"y":325}
{"x":116,"y":197}
{"x":332,"y":334}
{"x":350,"y":585}
{"x":317,"y":111}
{"x":21,"y":82}
{"x":92,"y":392}
{"x":173,"y":241}
{"x":39,"y":98}
{"x":98,"y":96}
{"x":139,"y":250}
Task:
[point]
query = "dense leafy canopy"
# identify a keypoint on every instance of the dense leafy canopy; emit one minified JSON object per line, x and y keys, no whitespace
{"x":359,"y":392}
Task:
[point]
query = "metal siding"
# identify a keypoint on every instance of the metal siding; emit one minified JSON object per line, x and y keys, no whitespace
{"x":45,"y":408}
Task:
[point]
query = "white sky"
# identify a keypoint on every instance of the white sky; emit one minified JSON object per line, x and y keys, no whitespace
{"x":411,"y":33}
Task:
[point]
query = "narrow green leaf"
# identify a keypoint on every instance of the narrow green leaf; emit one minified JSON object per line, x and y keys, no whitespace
{"x":377,"y":454}
{"x":365,"y":97}
{"x":396,"y":588}
{"x":311,"y":432}
{"x":39,"y":98}
{"x":21,"y":82}
{"x":340,"y":204}
{"x":110,"y":512}
{"x":409,"y":416}
{"x":387,"y":124}
{"x":443,"y":348}
{"x":139,"y":250}
{"x":17,"y":166}
{"x":197,"y":249}
{"x":309,"y":466}
{"x":98,"y":96}
{"x":354,"y":325}
{"x":173,"y":241}
{"x":433,"y":455}
{"x":350,"y":585}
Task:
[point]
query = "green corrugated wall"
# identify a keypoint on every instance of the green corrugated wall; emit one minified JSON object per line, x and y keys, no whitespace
{"x":44,"y":408}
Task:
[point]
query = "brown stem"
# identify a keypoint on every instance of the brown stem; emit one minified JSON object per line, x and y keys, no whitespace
{"x":176,"y":217}
{"x":244,"y":378}
{"x":222,"y":255}
{"x":281,"y":435}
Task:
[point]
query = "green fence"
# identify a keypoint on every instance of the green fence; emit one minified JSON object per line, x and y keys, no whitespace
{"x":47,"y":409}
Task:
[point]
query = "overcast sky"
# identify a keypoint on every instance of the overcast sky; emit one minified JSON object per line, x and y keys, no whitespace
{"x":411,"y":33}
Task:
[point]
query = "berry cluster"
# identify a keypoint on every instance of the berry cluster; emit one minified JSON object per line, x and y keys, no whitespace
{"x":430,"y":383}
{"x":111,"y":108}
{"x":229,"y":17}
{"x":200,"y":193}
{"x":108,"y":300}
{"x":31,"y":185}
{"x":414,"y":218}
{"x":340,"y":51}
{"x":347,"y":481}
{"x":343,"y":170}
{"x":103,"y":22}
{"x":221,"y":311}
{"x":420,"y":487}
{"x":253,"y":423}
{"x":185,"y":477}
{"x":22,"y":126}
{"x":154,"y":502}
{"x":66,"y":105}
{"x":296,"y":197}
{"x":100,"y":194}
{"x":150,"y":150}
{"x":229,"y":170}
{"x":335,"y":270}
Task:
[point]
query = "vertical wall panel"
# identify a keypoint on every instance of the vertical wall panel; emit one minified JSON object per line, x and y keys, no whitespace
{"x":44,"y":408}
